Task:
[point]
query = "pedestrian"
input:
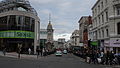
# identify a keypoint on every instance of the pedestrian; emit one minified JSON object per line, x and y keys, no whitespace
{"x":38,"y":52}
{"x":118,"y":58}
{"x":111,"y":57}
{"x":4,"y":51}
{"x":95,"y":57}
{"x":41,"y":52}
{"x":87,"y":55}
{"x":102,"y":57}
{"x":91,"y":56}
{"x":29,"y":51}
{"x":107,"y":58}
{"x":44,"y":52}
{"x":19,"y":51}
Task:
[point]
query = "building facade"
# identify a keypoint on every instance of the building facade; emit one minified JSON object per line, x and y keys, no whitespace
{"x":56,"y":45}
{"x":19,"y":25}
{"x":43,"y":37}
{"x":61,"y":43}
{"x":50,"y":40}
{"x":75,"y":38}
{"x":83,"y":29}
{"x":106,"y":24}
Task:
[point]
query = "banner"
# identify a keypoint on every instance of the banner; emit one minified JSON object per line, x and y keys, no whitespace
{"x":16,"y":34}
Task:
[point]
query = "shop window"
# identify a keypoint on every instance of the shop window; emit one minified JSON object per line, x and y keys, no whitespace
{"x":32,"y":24}
{"x":19,"y":20}
{"x":3,"y":23}
{"x":27,"y":21}
{"x":12,"y":22}
{"x":3,"y":20}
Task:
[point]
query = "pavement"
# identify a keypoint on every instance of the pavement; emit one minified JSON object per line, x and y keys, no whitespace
{"x":22,"y":56}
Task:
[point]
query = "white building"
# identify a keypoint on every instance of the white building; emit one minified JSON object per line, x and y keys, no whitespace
{"x":106,"y":24}
{"x":75,"y":38}
{"x":61,"y":42}
{"x":43,"y":37}
{"x":68,"y":44}
{"x":56,"y":44}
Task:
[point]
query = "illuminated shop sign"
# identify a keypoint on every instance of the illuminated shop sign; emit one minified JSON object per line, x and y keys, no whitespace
{"x":16,"y":34}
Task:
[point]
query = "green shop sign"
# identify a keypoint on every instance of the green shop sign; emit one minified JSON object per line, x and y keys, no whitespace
{"x":94,"y":43}
{"x":16,"y":34}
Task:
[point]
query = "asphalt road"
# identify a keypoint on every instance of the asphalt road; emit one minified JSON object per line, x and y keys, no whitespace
{"x":66,"y":61}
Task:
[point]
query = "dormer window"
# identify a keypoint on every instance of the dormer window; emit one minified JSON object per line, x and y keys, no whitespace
{"x":19,"y":0}
{"x":21,"y":9}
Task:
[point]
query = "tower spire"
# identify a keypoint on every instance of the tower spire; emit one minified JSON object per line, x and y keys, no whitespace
{"x":49,"y":18}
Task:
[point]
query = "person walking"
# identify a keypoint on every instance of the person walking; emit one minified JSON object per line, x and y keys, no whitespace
{"x":111,"y":57}
{"x":19,"y":51}
{"x":44,"y":52}
{"x":91,"y":56}
{"x":41,"y":50}
{"x":107,"y":58}
{"x":38,"y":52}
{"x":102,"y":57}
{"x":29,"y":51}
{"x":4,"y":51}
{"x":95,"y":54}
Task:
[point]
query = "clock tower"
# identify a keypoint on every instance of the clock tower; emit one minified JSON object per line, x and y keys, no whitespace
{"x":50,"y":31}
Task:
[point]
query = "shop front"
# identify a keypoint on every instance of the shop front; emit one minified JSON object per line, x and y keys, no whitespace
{"x":112,"y":45}
{"x":11,"y":39}
{"x":94,"y":45}
{"x":115,"y":44}
{"x":106,"y":45}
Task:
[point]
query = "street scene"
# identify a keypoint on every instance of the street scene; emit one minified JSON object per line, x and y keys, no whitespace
{"x":59,"y":34}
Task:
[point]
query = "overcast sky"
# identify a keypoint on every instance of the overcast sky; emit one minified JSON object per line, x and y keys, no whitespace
{"x":65,"y":14}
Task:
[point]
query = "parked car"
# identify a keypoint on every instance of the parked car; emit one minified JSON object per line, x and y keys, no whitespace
{"x":58,"y":53}
{"x":64,"y":51}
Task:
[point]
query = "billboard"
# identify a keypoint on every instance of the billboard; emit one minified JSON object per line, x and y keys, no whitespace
{"x":16,"y":34}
